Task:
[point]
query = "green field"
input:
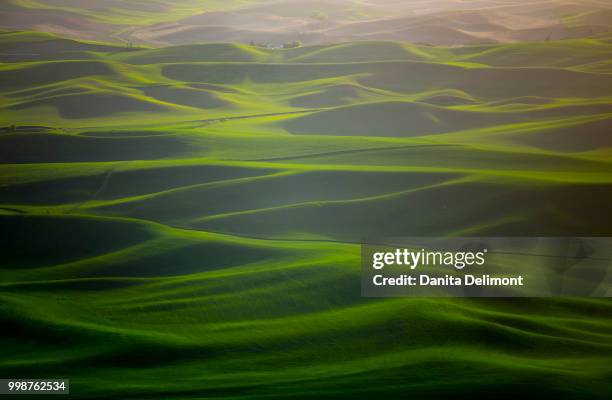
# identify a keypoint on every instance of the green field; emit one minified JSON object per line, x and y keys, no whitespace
{"x":184,"y":222}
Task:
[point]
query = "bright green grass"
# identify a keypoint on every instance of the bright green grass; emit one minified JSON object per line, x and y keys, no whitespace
{"x":123,"y":322}
{"x":189,"y":225}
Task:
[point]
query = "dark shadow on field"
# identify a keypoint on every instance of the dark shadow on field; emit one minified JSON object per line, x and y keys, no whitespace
{"x":93,"y":105}
{"x":191,"y":97}
{"x":39,"y":74}
{"x":55,"y":191}
{"x":59,"y":148}
{"x":126,"y":183}
{"x":116,"y":184}
{"x":40,"y":241}
{"x":271,"y":191}
{"x":468,"y":207}
{"x":182,"y":260}
{"x":408,"y":119}
{"x":572,"y":139}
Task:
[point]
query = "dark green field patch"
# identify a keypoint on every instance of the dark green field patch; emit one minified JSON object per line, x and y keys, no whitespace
{"x":40,"y":241}
{"x":55,"y":148}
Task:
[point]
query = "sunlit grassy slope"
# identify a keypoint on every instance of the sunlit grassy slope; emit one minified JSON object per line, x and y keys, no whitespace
{"x":185,"y":222}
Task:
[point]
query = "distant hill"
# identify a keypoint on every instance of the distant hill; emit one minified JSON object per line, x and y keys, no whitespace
{"x":373,"y":88}
{"x":274,"y":22}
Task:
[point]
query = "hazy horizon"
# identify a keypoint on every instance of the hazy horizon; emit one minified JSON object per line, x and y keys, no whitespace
{"x":274,"y":22}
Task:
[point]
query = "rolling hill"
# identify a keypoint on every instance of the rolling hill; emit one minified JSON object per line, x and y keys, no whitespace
{"x":185,"y":221}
